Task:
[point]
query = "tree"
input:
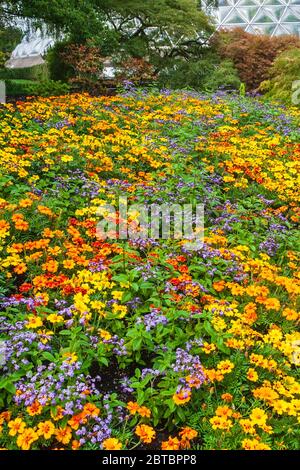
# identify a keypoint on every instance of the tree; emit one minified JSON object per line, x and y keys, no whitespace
{"x":253,"y":55}
{"x":138,"y":26}
{"x":284,"y":83}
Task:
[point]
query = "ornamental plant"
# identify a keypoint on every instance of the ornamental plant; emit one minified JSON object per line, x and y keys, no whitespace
{"x":144,"y":343}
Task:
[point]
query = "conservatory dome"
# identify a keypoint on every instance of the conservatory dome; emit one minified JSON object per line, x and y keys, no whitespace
{"x":273,"y":17}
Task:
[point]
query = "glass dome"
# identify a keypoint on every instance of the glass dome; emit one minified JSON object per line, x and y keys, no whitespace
{"x":274,"y":17}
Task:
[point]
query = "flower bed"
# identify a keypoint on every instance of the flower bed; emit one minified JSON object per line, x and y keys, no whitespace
{"x":110,"y":344}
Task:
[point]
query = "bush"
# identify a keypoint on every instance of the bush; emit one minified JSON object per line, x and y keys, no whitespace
{"x":252,"y":55}
{"x":82,"y":66}
{"x":58,"y":68}
{"x":224,"y":76}
{"x":285,"y":71}
{"x":49,"y":88}
{"x":38,"y":72}
{"x":208,"y":73}
{"x":136,"y":70}
{"x":19,"y":87}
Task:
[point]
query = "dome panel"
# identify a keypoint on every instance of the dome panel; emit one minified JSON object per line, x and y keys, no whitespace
{"x":274,"y":17}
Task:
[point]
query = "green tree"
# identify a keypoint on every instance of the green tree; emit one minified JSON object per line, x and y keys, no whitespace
{"x":284,"y":82}
{"x":139,"y":26}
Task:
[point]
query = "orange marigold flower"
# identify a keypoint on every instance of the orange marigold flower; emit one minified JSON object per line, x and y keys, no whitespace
{"x":224,"y":411}
{"x":57,"y":414}
{"x":34,"y":409}
{"x":68,"y":264}
{"x":219,"y":285}
{"x":188,"y":433}
{"x":51,"y":266}
{"x":20,"y":268}
{"x":90,"y":409}
{"x":290,"y":314}
{"x":144,"y":412}
{"x":132,"y":407}
{"x":171,"y":444}
{"x":75,"y":445}
{"x":145,"y":433}
{"x":63,"y":435}
{"x":227,"y":397}
{"x":112,"y":444}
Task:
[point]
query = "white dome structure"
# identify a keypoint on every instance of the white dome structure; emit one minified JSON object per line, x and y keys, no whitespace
{"x":31,"y":50}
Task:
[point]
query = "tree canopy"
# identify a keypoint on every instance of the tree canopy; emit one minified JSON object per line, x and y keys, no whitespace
{"x":119,"y":23}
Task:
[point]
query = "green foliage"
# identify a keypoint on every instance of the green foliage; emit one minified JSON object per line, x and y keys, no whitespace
{"x":38,"y":72}
{"x":207,"y":73}
{"x":285,"y":71}
{"x":175,"y":20}
{"x":58,"y":68}
{"x":224,"y":75}
{"x":49,"y":88}
{"x":9,"y":39}
{"x":19,"y":87}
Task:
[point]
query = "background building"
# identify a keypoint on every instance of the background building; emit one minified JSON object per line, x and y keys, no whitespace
{"x":274,"y":17}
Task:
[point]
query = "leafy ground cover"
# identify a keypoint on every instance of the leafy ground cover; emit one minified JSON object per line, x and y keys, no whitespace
{"x":144,"y":344}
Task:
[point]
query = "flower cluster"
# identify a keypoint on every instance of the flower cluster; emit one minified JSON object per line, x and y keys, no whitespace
{"x":119,"y":344}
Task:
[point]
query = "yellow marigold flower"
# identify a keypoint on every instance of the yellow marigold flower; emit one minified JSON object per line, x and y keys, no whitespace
{"x":145,"y":433}
{"x":252,"y":375}
{"x":68,"y":264}
{"x":34,"y":322}
{"x":250,"y":444}
{"x":117,"y":294}
{"x":27,"y":438}
{"x":112,"y":444}
{"x":105,"y":334}
{"x":208,"y":348}
{"x":225,"y":367}
{"x":16,"y":426}
{"x":247,"y":426}
{"x":182,"y":397}
{"x":258,"y":416}
{"x":55,"y":318}
{"x":218,"y":422}
{"x":272,"y":303}
{"x":46,"y":429}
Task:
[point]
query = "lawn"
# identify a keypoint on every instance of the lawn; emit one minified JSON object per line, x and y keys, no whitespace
{"x":147,"y":344}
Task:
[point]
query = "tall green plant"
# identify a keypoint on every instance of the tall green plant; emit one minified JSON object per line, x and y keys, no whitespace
{"x":283,"y":74}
